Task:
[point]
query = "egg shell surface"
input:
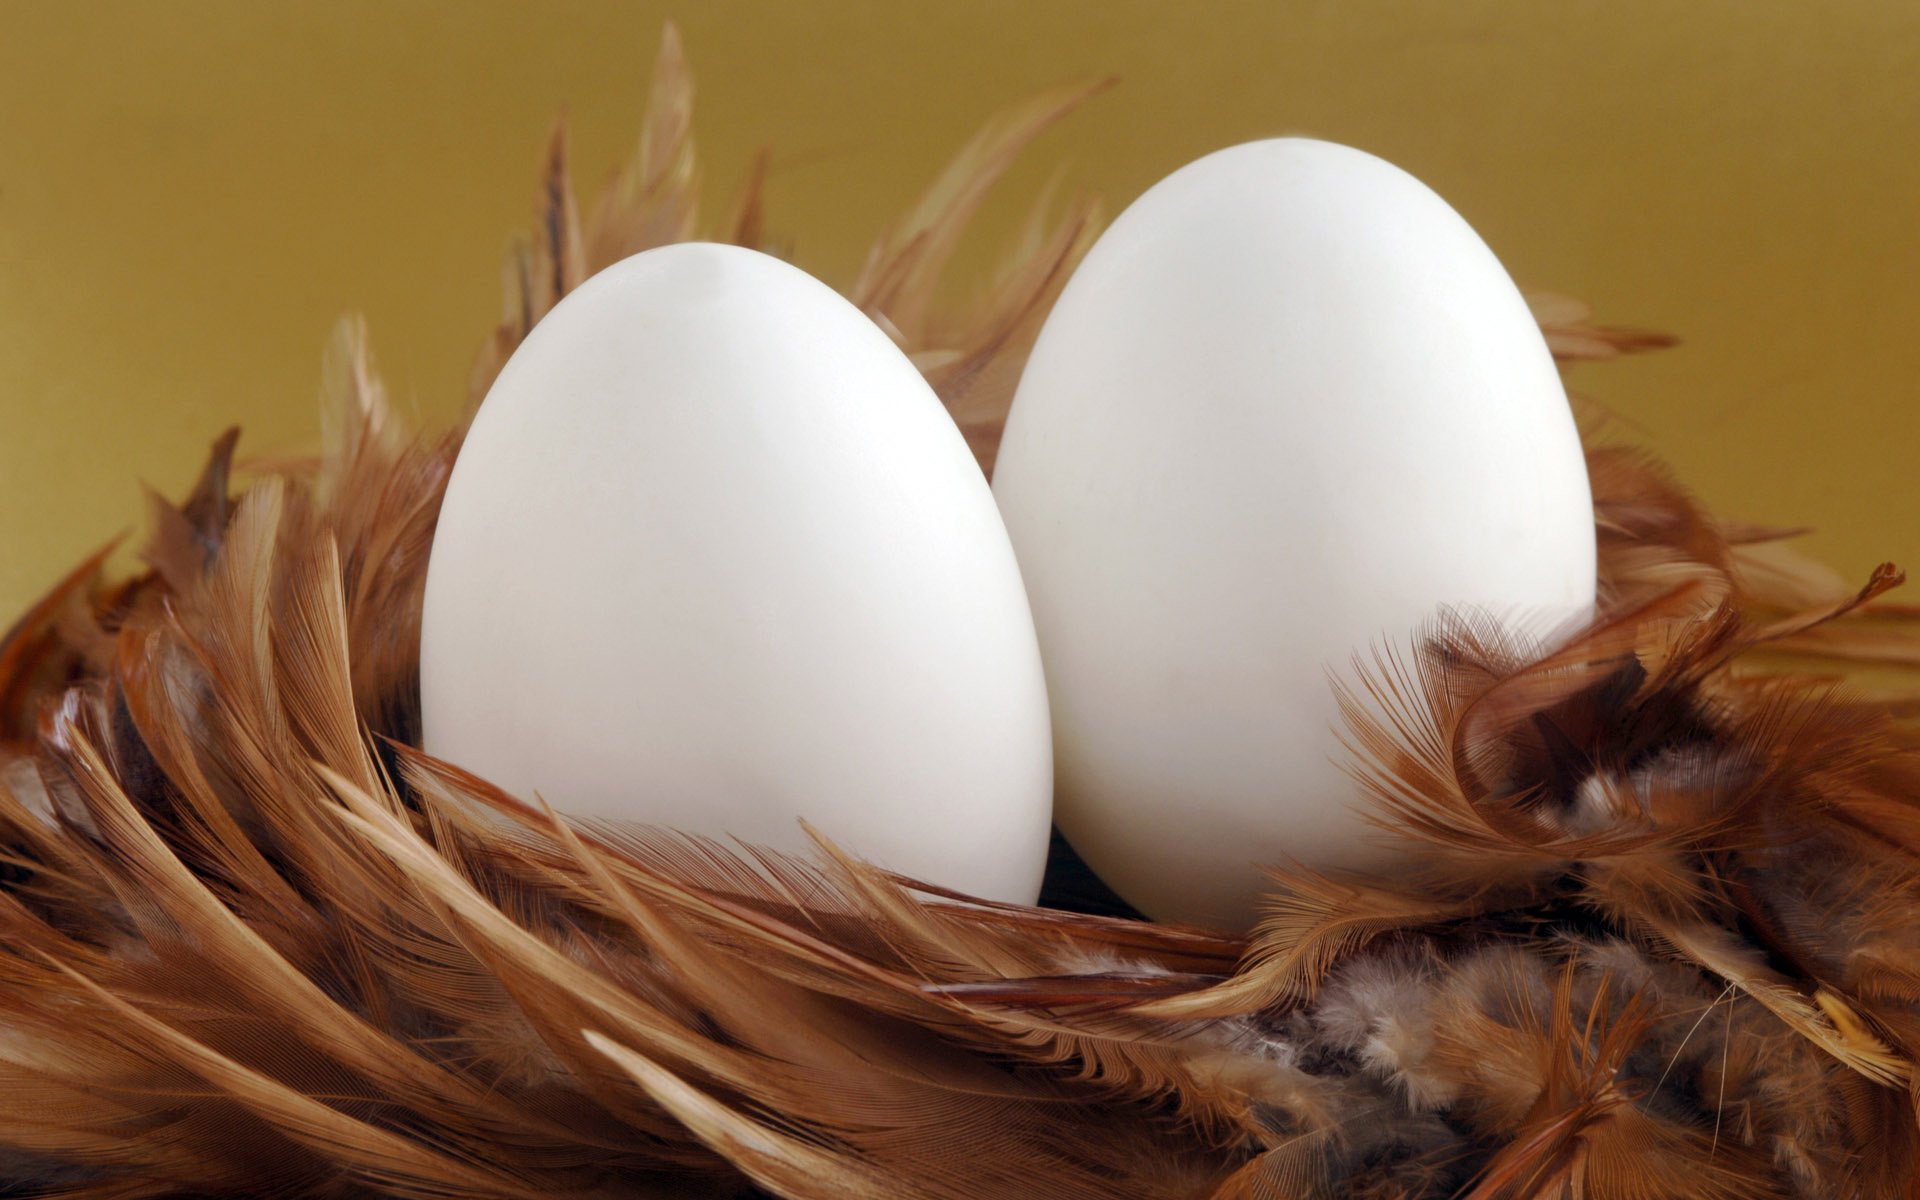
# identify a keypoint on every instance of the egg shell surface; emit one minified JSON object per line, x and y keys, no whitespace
{"x":714,"y":557}
{"x":1288,"y":408}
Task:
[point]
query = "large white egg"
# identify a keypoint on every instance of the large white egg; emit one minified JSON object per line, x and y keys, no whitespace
{"x":1288,"y":408}
{"x":714,"y":557}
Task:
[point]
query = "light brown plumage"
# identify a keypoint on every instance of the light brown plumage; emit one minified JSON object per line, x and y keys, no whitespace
{"x":1658,"y":940}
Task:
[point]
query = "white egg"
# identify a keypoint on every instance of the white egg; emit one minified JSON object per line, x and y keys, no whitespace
{"x":714,"y":557}
{"x":1288,"y":408}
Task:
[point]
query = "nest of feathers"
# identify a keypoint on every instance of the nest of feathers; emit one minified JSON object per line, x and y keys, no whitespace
{"x":1659,"y":940}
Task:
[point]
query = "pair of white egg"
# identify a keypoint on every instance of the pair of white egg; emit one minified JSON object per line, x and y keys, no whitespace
{"x":714,"y":557}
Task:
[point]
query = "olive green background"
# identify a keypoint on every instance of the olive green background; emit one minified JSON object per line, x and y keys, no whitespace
{"x":191,"y":192}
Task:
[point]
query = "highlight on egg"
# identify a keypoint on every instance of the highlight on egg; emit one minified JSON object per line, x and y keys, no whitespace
{"x":714,"y":557}
{"x":1288,"y":409}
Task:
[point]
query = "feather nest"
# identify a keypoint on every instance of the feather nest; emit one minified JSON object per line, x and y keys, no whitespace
{"x":254,"y":942}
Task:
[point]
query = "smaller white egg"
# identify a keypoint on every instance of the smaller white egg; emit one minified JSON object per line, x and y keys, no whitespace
{"x":714,"y":557}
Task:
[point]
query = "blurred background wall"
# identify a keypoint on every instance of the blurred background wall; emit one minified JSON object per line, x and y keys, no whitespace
{"x":192,"y":191}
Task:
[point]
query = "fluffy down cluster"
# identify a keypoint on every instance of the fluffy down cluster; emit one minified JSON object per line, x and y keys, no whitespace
{"x":1661,"y":942}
